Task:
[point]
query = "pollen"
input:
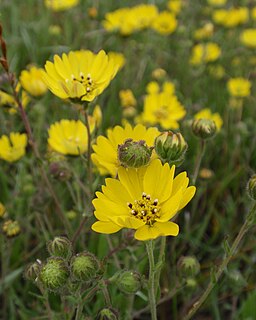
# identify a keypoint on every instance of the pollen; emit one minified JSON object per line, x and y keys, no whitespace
{"x":145,"y":209}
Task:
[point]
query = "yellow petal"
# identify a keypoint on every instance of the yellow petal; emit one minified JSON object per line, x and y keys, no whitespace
{"x":158,"y":229}
{"x":105,"y":227}
{"x":187,"y":196}
{"x":170,"y":207}
{"x":127,"y":222}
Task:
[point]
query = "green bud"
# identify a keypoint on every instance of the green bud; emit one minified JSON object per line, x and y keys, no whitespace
{"x":54,"y":274}
{"x":236,"y":279}
{"x":171,"y":147}
{"x":188,"y":266}
{"x":191,"y":283}
{"x":84,"y":266}
{"x":128,"y":282}
{"x":251,"y":187}
{"x":32,"y":270}
{"x":134,"y":154}
{"x":204,"y":128}
{"x":60,"y":247}
{"x":107,"y":314}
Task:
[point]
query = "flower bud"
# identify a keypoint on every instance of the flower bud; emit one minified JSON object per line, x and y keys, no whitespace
{"x":251,"y":187}
{"x":128,"y":282}
{"x":54,"y":274}
{"x":188,"y":266}
{"x":191,"y":283}
{"x":32,"y":270}
{"x":107,"y":314}
{"x":134,"y":153}
{"x":60,"y":247}
{"x":171,"y":147}
{"x":60,"y":171}
{"x":11,"y":228}
{"x":84,"y":266}
{"x":204,"y":128}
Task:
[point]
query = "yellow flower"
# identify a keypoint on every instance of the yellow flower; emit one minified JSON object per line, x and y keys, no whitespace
{"x":248,"y":38}
{"x":232,"y":17}
{"x":174,"y":6}
{"x":205,"y":32}
{"x":8,"y":101}
{"x":14,"y":147}
{"x":127,"y":98}
{"x":158,"y":73}
{"x":207,"y":114}
{"x":105,"y":150}
{"x":69,"y":137}
{"x":59,"y":5}
{"x":203,"y":53}
{"x":165,"y":23}
{"x":253,"y":13}
{"x":32,"y":81}
{"x":239,"y":87}
{"x":11,"y":228}
{"x":96,"y":116}
{"x":217,"y":3}
{"x":162,"y":108}
{"x":144,"y":199}
{"x":2,"y":210}
{"x":80,"y":75}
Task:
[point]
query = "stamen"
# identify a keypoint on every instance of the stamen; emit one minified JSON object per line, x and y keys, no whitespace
{"x":148,"y":197}
{"x":144,"y":194}
{"x":155,"y":202}
{"x":129,"y":205}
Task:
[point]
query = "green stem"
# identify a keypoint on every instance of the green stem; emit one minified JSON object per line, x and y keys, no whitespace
{"x":160,"y":263}
{"x":89,"y":151}
{"x":151,"y":280}
{"x":105,"y":292}
{"x":245,"y":227}
{"x":199,"y":158}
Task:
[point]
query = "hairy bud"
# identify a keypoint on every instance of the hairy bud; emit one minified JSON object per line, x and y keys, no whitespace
{"x":84,"y":266}
{"x":60,"y":247}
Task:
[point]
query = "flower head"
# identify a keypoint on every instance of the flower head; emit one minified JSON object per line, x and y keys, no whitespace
{"x":105,"y":155}
{"x":80,"y":75}
{"x":248,"y":38}
{"x":69,"y":137}
{"x":207,"y":114}
{"x":59,"y":5}
{"x":143,"y":199}
{"x":13,"y":148}
{"x":203,"y":53}
{"x":239,"y":87}
{"x":162,"y":107}
{"x":165,"y":23}
{"x":32,"y":81}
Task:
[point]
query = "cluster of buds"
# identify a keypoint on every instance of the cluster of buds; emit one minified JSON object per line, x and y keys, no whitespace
{"x":134,"y":154}
{"x":61,"y":267}
{"x":171,"y":148}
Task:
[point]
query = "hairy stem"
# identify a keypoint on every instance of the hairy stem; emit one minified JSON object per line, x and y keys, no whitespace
{"x":199,"y":158}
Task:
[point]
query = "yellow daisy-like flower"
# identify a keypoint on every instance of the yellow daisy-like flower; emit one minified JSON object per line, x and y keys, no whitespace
{"x":14,"y":147}
{"x":32,"y":81}
{"x":59,"y":5}
{"x":162,"y":107}
{"x":68,"y":137}
{"x":127,"y":98}
{"x":8,"y":101}
{"x":232,"y":17}
{"x":248,"y":38}
{"x":165,"y":23}
{"x":174,"y":6}
{"x":203,"y":53}
{"x":80,"y":75}
{"x":207,"y":114}
{"x":144,"y":199}
{"x":205,"y":32}
{"x":239,"y":87}
{"x":105,"y":155}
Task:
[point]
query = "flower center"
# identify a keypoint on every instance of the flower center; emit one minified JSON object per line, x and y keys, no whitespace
{"x":86,"y":81}
{"x":161,"y":113}
{"x":145,"y":209}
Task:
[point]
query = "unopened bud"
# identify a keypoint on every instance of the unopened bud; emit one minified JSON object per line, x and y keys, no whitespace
{"x":54,"y":274}
{"x":11,"y":228}
{"x":204,"y":128}
{"x":32,"y":270}
{"x":107,"y":314}
{"x":60,"y":171}
{"x":84,"y":266}
{"x":251,"y":187}
{"x":188,"y":266}
{"x":129,"y":282}
{"x":171,"y":147}
{"x":134,"y":154}
{"x":60,"y":247}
